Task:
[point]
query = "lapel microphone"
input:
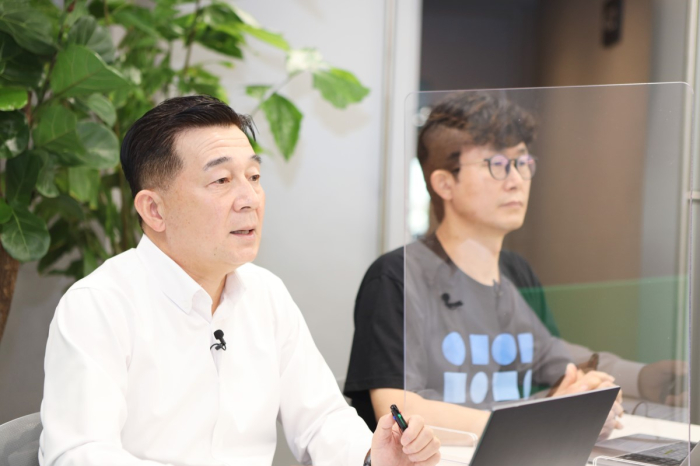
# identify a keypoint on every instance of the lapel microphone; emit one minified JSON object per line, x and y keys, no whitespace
{"x":219,"y":335}
{"x":446,"y":299}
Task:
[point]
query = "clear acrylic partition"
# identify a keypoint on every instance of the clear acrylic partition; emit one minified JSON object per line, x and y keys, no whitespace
{"x":600,"y":264}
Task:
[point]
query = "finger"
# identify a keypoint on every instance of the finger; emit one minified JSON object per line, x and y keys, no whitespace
{"x":601,"y":375}
{"x":619,"y":425}
{"x":432,"y":461}
{"x":415,"y":426}
{"x":570,"y":377}
{"x":422,"y":440}
{"x":427,"y":452}
{"x":384,"y":431}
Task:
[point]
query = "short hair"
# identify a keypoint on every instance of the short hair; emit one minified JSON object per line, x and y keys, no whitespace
{"x":468,"y":119}
{"x":148,"y":155}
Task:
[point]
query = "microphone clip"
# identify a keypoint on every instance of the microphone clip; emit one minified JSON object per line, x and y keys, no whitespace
{"x":446,"y":299}
{"x":219,"y":335}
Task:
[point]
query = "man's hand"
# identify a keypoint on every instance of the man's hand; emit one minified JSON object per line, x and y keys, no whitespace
{"x":575,"y":381}
{"x":664,"y":382}
{"x":416,"y":446}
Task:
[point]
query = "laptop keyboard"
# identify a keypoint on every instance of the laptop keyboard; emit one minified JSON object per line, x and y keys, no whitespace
{"x":667,"y":455}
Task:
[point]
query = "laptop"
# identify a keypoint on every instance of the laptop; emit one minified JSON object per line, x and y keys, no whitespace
{"x":558,"y":431}
{"x":644,"y":449}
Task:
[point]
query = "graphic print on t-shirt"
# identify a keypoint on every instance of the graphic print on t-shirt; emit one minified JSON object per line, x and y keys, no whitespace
{"x":504,"y":349}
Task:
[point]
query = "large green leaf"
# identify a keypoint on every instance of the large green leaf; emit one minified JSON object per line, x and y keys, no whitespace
{"x":21,"y":175}
{"x":12,"y":98}
{"x":101,"y":144}
{"x":25,"y":236}
{"x":46,"y":182}
{"x":18,"y":67}
{"x":5,"y":211}
{"x":285,"y":122}
{"x":84,"y":184}
{"x":80,"y":71}
{"x":56,"y":132}
{"x":275,"y":40}
{"x":29,"y":26}
{"x":14,"y":134}
{"x":102,"y":107}
{"x":339,"y":87}
{"x":87,"y":32}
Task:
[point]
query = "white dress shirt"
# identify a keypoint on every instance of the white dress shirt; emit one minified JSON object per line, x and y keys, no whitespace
{"x":131,"y":379}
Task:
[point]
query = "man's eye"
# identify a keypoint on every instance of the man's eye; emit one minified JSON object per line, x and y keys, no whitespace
{"x":221,"y":181}
{"x":255,"y":177}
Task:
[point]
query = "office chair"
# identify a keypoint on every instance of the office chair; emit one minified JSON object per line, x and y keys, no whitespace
{"x":19,"y":441}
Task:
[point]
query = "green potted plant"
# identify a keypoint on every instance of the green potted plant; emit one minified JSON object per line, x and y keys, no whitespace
{"x":68,"y":94}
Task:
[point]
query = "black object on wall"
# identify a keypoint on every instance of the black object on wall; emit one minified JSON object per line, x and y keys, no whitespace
{"x":612,"y":22}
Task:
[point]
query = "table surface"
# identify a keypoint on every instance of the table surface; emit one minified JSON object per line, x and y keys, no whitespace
{"x":632,"y":424}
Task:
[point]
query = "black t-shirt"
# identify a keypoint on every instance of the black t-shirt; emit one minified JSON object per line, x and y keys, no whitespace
{"x":377,"y":357}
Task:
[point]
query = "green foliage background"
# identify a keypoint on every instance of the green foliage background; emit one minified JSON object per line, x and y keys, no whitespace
{"x":68,"y":94}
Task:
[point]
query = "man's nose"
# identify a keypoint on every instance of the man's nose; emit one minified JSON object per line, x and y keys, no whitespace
{"x":247,"y":197}
{"x":513,"y":177}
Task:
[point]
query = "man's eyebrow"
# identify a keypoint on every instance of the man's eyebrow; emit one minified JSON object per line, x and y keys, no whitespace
{"x":215,"y":162}
{"x":224,"y":159}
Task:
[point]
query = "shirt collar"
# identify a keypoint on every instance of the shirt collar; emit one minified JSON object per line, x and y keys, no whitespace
{"x":175,"y":283}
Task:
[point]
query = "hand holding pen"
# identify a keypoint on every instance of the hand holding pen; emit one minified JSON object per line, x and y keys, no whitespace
{"x":403,"y":442}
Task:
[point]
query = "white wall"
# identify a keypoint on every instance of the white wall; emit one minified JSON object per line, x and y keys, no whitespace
{"x":322,"y":207}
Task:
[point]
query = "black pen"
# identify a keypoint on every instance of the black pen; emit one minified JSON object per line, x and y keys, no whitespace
{"x":398,"y":417}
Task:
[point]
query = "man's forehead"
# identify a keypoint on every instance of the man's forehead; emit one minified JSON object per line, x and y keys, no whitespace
{"x":486,"y":150}
{"x":201,"y":144}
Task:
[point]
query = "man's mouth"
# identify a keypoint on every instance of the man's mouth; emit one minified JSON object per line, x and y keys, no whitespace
{"x":243,"y":232}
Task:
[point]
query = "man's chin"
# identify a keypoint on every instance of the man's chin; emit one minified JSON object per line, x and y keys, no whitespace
{"x":242,"y":257}
{"x":513,"y":225}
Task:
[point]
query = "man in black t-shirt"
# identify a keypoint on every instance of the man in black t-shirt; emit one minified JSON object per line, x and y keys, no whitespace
{"x":475,"y":160}
{"x":377,"y":358}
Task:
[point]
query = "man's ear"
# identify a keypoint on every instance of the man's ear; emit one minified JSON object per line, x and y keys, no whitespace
{"x":442,"y":183}
{"x":150,"y":207}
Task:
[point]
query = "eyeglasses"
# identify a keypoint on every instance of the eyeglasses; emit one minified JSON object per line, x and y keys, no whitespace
{"x":499,"y":166}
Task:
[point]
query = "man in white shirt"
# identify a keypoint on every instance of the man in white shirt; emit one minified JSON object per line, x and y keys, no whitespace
{"x":134,"y":374}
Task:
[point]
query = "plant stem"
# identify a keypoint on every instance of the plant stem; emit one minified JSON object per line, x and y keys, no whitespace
{"x":190,"y":38}
{"x":9,"y":267}
{"x":106,"y":12}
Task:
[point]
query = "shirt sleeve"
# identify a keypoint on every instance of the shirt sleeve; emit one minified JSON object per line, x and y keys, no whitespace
{"x":84,"y":406}
{"x":376,"y":359}
{"x":319,"y":425}
{"x":626,"y":372}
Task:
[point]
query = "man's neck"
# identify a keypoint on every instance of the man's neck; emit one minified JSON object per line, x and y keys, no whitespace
{"x":475,"y":252}
{"x":213,"y":283}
